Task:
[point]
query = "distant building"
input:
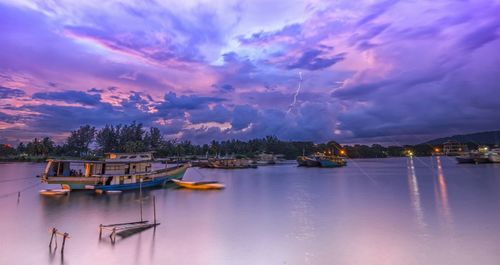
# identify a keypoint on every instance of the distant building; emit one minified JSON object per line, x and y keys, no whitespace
{"x":453,"y":148}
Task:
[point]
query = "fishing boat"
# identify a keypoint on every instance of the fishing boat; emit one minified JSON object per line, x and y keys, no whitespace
{"x":264,"y":159}
{"x":117,"y":172}
{"x":306,"y":161}
{"x":229,"y":163}
{"x":331,"y":161}
{"x":479,"y":156}
{"x":494,"y":155}
{"x":465,"y":159}
{"x":201,"y":185}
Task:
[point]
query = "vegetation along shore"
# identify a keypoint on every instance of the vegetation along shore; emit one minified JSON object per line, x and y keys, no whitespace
{"x":90,"y":143}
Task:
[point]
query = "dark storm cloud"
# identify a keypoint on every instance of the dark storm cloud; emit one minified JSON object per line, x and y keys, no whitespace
{"x":6,"y":92}
{"x":377,"y":10}
{"x":217,"y":114}
{"x":70,"y":96}
{"x":312,"y":60}
{"x":8,"y":118}
{"x":480,"y":36}
{"x":95,"y":90}
{"x":261,"y":38}
{"x":172,"y":102}
{"x":413,"y":68}
{"x":243,"y":116}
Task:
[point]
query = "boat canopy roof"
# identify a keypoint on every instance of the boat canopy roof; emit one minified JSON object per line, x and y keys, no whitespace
{"x":98,"y":161}
{"x":129,"y":157}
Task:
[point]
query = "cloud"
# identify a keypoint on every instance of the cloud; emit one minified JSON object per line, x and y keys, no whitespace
{"x":480,"y":36}
{"x":312,"y":60}
{"x":393,"y":69}
{"x":218,"y":114}
{"x":70,"y":96}
{"x":183,"y":102}
{"x":376,"y":10}
{"x":6,"y":92}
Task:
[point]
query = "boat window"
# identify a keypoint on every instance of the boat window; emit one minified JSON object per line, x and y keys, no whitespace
{"x":144,"y":156}
{"x":133,"y":157}
{"x":123,"y":157}
{"x":71,"y":169}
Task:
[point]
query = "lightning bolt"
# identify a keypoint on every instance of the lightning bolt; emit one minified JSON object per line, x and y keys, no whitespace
{"x":296,"y":94}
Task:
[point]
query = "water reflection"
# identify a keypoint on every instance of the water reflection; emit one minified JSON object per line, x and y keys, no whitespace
{"x":415,"y":195}
{"x":442,"y":195}
{"x":273,"y":215}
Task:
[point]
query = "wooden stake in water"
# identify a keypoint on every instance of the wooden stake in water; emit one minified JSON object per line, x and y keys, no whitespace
{"x":65,"y":235}
{"x":140,"y":195}
{"x":154,"y":209}
{"x":54,"y":231}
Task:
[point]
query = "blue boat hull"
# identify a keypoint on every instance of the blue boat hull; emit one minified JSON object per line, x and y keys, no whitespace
{"x":329,"y":163}
{"x":157,"y":182}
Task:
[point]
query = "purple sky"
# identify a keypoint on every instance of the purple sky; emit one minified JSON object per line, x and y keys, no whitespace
{"x":372,"y":71}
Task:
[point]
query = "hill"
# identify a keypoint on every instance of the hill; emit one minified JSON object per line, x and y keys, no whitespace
{"x":486,"y":138}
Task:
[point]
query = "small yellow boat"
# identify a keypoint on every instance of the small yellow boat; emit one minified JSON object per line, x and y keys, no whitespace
{"x":201,"y":185}
{"x":51,"y":192}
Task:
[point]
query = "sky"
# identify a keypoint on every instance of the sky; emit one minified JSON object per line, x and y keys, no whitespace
{"x":388,"y":71}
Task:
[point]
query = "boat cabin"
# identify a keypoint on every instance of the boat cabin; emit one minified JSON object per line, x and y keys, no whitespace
{"x":114,"y":164}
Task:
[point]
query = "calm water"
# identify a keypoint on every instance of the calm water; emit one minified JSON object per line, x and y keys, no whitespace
{"x":370,"y":212}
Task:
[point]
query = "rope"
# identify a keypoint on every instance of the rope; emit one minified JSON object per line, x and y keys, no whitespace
{"x":199,"y":173}
{"x":14,"y":179}
{"x":6,"y":195}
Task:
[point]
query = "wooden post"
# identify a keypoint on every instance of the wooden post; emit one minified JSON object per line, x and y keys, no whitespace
{"x":154,"y":209}
{"x":112,"y":235}
{"x":18,"y":196}
{"x":54,"y":231}
{"x":100,"y":231}
{"x":140,"y":195}
{"x":64,"y":241}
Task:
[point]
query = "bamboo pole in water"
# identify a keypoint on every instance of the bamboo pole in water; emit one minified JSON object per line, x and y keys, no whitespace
{"x":154,"y":209}
{"x":140,"y":195}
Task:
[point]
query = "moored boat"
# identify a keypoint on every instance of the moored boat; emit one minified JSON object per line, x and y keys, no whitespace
{"x":494,"y":155}
{"x":479,"y":156}
{"x":117,"y":172}
{"x":200,"y":185}
{"x":229,"y":163}
{"x":306,"y":161}
{"x":52,"y":192}
{"x":331,"y":161}
{"x":465,"y":159}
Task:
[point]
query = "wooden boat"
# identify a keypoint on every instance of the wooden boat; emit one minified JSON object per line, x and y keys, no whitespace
{"x":321,"y":160}
{"x":494,"y":155}
{"x":229,"y":163}
{"x":331,"y":161}
{"x":117,"y":172}
{"x":202,"y":185}
{"x":52,"y":192}
{"x":306,"y":161}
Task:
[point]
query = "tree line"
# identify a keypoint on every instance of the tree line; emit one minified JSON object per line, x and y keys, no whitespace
{"x":87,"y":141}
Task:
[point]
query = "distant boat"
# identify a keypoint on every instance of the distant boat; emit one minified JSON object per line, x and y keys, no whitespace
{"x":465,"y":159}
{"x":229,"y":163}
{"x":201,"y":185}
{"x":117,"y":172}
{"x":494,"y":155}
{"x":331,"y":161}
{"x":479,"y":156}
{"x":321,"y":160}
{"x":306,"y":161}
{"x":268,"y":159}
